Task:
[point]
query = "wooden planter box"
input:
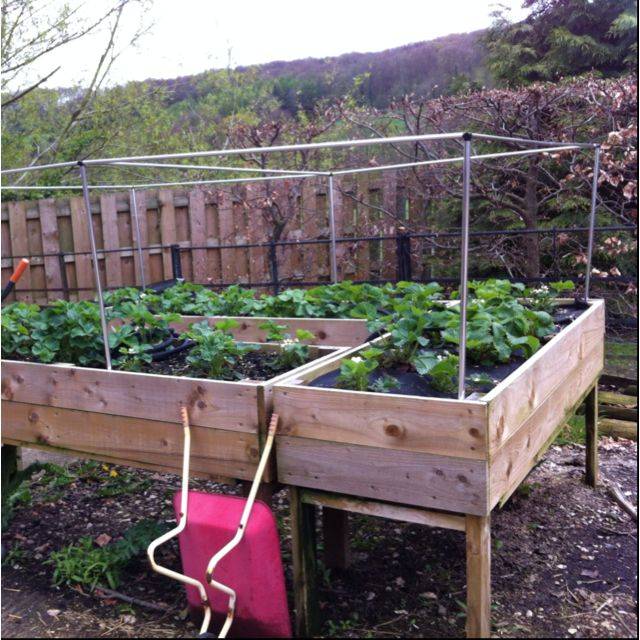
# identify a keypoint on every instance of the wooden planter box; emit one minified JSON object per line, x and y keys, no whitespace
{"x":460,"y":456}
{"x":330,"y":332}
{"x":134,"y":418}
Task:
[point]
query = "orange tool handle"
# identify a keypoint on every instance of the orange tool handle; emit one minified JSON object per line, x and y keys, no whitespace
{"x":17,"y":274}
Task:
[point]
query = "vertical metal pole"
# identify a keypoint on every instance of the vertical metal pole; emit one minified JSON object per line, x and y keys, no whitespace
{"x":332,"y":227}
{"x":96,"y":269}
{"x":134,"y":211}
{"x":592,"y":220}
{"x":466,"y":187}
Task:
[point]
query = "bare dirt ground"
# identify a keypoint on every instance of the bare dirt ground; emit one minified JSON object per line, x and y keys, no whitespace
{"x":564,"y":562}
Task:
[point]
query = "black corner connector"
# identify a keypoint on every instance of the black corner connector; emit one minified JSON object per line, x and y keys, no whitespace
{"x":467,"y":135}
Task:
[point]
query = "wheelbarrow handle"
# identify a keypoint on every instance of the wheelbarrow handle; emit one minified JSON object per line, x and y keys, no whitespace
{"x":15,"y":276}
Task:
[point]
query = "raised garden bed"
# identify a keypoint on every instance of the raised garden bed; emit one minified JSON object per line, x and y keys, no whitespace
{"x":462,"y":456}
{"x":133,"y":417}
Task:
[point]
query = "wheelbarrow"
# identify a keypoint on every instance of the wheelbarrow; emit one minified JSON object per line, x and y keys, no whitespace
{"x":230,"y":554}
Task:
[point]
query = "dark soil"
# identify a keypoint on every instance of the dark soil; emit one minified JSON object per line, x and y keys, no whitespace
{"x":564,"y":561}
{"x":411,"y":383}
{"x":255,"y":365}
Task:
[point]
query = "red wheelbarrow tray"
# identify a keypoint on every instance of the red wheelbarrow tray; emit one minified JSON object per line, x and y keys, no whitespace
{"x":133,"y":418}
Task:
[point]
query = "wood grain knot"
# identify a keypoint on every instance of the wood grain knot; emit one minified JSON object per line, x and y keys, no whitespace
{"x":201,"y":404}
{"x":7,"y":391}
{"x":463,"y":479}
{"x":19,"y":379}
{"x":474,"y":433}
{"x":33,"y":416}
{"x":322,"y":335}
{"x":394,"y":431}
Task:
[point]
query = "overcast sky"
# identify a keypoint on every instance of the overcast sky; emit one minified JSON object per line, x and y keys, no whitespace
{"x":189,"y":36}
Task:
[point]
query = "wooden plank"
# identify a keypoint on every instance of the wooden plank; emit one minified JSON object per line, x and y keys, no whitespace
{"x":389,"y":203}
{"x":407,"y":477}
{"x":167,"y":229}
{"x":385,"y":510}
{"x":141,"y":205}
{"x":510,"y":464}
{"x":257,"y":232}
{"x":336,"y":332}
{"x":339,"y":210}
{"x":478,"y":542}
{"x":312,"y":226}
{"x":211,"y":403}
{"x":303,"y":555}
{"x":198,"y":230}
{"x":404,"y":423}
{"x":241,"y":257}
{"x":20,"y":246}
{"x":227,"y":234}
{"x":229,"y":453}
{"x":362,"y":227}
{"x":615,"y":428}
{"x":50,"y":244}
{"x":591,"y":432}
{"x":82,"y":242}
{"x":111,"y":240}
{"x":513,"y":400}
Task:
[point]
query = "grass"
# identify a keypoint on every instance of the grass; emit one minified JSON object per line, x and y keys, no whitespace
{"x":90,"y":565}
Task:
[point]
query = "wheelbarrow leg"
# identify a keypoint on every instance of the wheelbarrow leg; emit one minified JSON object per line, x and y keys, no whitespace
{"x":478,"y":531}
{"x":591,"y":428}
{"x":303,"y":552}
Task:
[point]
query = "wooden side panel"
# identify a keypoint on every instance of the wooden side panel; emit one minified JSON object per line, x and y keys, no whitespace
{"x":389,"y":203}
{"x":408,"y":477}
{"x":198,"y":228}
{"x":213,"y":451}
{"x":516,"y":397}
{"x":50,"y":244}
{"x":211,"y":403}
{"x":511,"y":463}
{"x":20,"y":246}
{"x":329,"y":332}
{"x":111,"y":239}
{"x":312,"y":225}
{"x":430,"y":425}
{"x":167,"y":228}
{"x":81,"y":241}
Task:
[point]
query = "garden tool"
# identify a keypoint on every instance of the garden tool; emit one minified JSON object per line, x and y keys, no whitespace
{"x":237,"y":540}
{"x":15,"y":276}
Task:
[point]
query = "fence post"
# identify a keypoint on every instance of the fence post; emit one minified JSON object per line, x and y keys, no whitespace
{"x":176,"y":264}
{"x":403,"y":254}
{"x":63,"y":274}
{"x":273,"y":263}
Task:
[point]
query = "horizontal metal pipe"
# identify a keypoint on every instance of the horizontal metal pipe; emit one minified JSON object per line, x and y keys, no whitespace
{"x":152,"y":185}
{"x":421,"y":163}
{"x":165,"y":165}
{"x":527,"y":141}
{"x":39,"y":167}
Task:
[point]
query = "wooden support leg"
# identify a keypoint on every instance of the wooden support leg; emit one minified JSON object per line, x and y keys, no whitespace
{"x":335,"y":526}
{"x":10,"y":455}
{"x":591,"y":428}
{"x":303,"y":552}
{"x":265,"y":491}
{"x":478,"y":529}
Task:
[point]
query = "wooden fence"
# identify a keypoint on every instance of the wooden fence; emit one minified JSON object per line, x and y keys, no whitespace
{"x":53,"y":233}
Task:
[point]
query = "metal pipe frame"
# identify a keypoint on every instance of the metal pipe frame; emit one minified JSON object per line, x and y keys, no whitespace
{"x":592,"y":220}
{"x":96,"y":268}
{"x":332,"y":228}
{"x":526,"y":141}
{"x":134,"y":214}
{"x":299,"y":175}
{"x":464,"y":266}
